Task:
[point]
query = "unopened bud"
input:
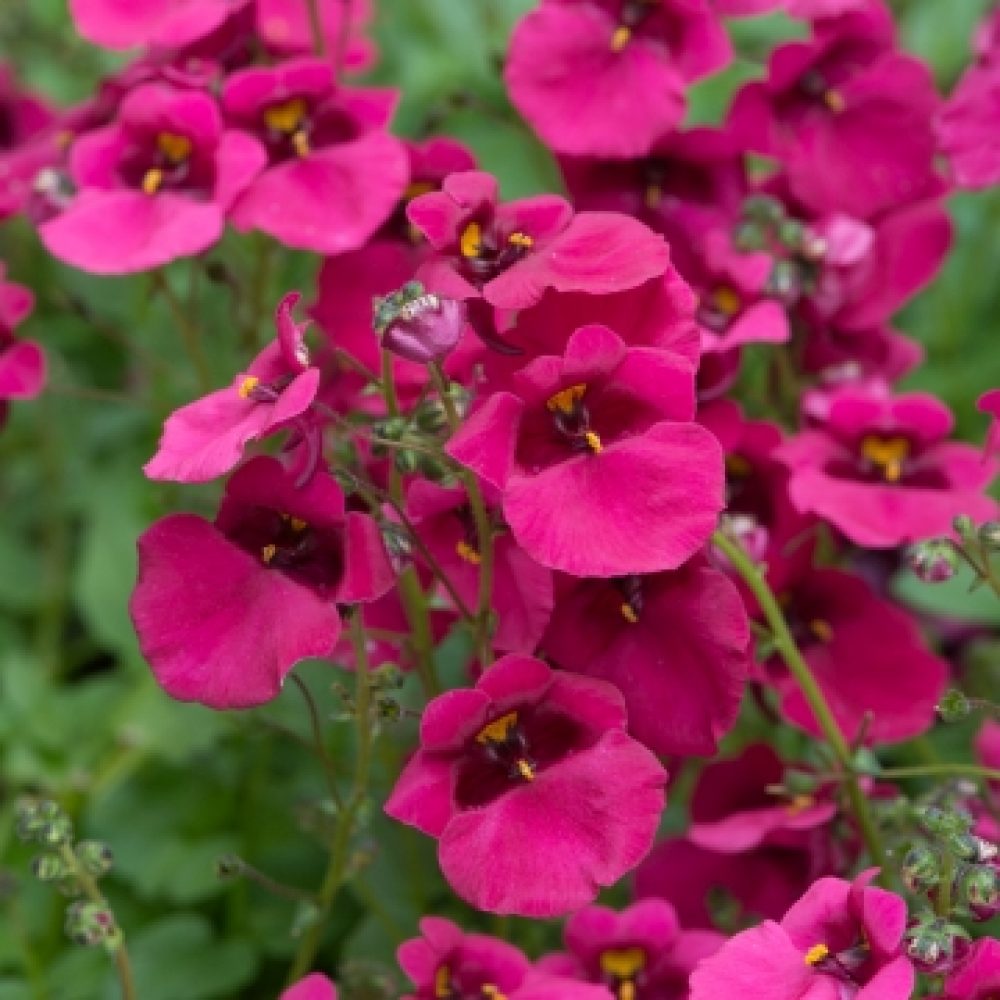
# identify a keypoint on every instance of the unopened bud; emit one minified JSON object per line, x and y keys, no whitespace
{"x":44,"y":822}
{"x":933,"y":561}
{"x":943,"y":822}
{"x":95,"y":857}
{"x":764,"y":208}
{"x":921,"y":869}
{"x":91,"y":924}
{"x":419,"y":325}
{"x":953,"y":706}
{"x":49,"y":868}
{"x":964,"y":846}
{"x":931,"y":944}
{"x":748,"y":532}
{"x":979,"y":886}
{"x":228,"y":867}
{"x":964,"y":527}
{"x":989,"y":535}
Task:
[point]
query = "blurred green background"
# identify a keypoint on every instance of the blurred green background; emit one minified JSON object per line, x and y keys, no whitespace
{"x":173,"y":787}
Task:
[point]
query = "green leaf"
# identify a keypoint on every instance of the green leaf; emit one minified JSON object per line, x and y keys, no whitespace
{"x":951,"y":599}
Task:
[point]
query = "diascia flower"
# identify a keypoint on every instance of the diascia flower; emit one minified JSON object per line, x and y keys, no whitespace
{"x":153,"y":186}
{"x":334,"y":174}
{"x":989,"y":402}
{"x":22,"y":363}
{"x":206,"y":438}
{"x":607,"y":77}
{"x":968,"y":127}
{"x":600,"y":470}
{"x":639,"y":954}
{"x":978,"y":975}
{"x":224,"y":610}
{"x":841,"y":940}
{"x":164,"y":24}
{"x":675,"y":644}
{"x":536,"y":794}
{"x":879,"y":468}
{"x":314,"y":987}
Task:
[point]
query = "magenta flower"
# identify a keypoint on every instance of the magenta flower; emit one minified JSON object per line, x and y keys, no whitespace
{"x":537,"y":795}
{"x":522,"y":589}
{"x":601,"y":474}
{"x":446,"y":962}
{"x":879,"y":468}
{"x":675,"y":644}
{"x":22,"y":362}
{"x":206,"y":438}
{"x":284,"y":27}
{"x":968,"y":127}
{"x":866,"y":654}
{"x":849,"y":117}
{"x":315,"y":986}
{"x":165,"y":24}
{"x":989,"y":402}
{"x":224,"y":611}
{"x":334,"y":174}
{"x":639,"y":954}
{"x":978,"y":975}
{"x":153,"y":186}
{"x":576,"y":66}
{"x":840,"y":941}
{"x":511,"y":253}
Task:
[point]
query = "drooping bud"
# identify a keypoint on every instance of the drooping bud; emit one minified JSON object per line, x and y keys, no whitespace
{"x":748,"y":532}
{"x":933,"y":561}
{"x":91,"y":924}
{"x":979,"y":886}
{"x":43,"y":821}
{"x":921,"y":869}
{"x":95,"y":857}
{"x":953,"y":706}
{"x":418,"y":325}
{"x":49,"y":868}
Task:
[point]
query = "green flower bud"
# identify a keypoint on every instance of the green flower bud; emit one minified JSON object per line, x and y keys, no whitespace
{"x":979,"y":886}
{"x":964,"y":527}
{"x":921,"y":869}
{"x":49,"y":868}
{"x":953,"y":706}
{"x":229,"y":867}
{"x":943,"y":822}
{"x":933,"y":561}
{"x":91,"y":924}
{"x":95,"y":857}
{"x":931,"y":944}
{"x":989,"y":536}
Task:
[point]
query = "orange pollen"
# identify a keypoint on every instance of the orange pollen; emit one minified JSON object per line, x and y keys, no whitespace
{"x":442,"y":983}
{"x":287,"y":116}
{"x":816,"y":954}
{"x":491,"y":992}
{"x":300,"y":142}
{"x":834,"y":100}
{"x":525,"y":770}
{"x":821,"y":629}
{"x":498,"y":730}
{"x":623,"y":963}
{"x":175,"y":148}
{"x":471,"y":241}
{"x":727,"y":300}
{"x":888,"y":454}
{"x":628,"y":613}
{"x":799,"y":804}
{"x":151,"y":180}
{"x":268,"y":552}
{"x":467,"y":552}
{"x":416,"y":188}
{"x":593,"y":442}
{"x":653,"y":196}
{"x":522,"y":240}
{"x":565,"y":400}
{"x":620,"y":38}
{"x":247,"y":386}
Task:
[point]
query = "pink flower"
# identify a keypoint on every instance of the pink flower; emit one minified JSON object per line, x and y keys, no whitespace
{"x":640,"y":953}
{"x":601,"y":474}
{"x":537,"y":795}
{"x":166,"y":24}
{"x":22,"y":362}
{"x":206,"y":438}
{"x":153,"y":186}
{"x":314,"y":987}
{"x":989,"y":402}
{"x":522,"y":589}
{"x":968,"y":127}
{"x":849,"y":117}
{"x":576,"y":66}
{"x":224,"y":611}
{"x":866,"y":654}
{"x":675,"y":644}
{"x":334,"y":174}
{"x":511,"y":253}
{"x":879,"y":469}
{"x":840,"y":941}
{"x":446,"y":962}
{"x":978,"y":975}
{"x":284,"y":26}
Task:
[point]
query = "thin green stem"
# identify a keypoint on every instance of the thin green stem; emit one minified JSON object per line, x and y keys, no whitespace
{"x":484,"y":527}
{"x":347,"y":817}
{"x":272,"y":886}
{"x":93,"y":893}
{"x":785,"y":644}
{"x":939,"y":770}
{"x":318,"y":742}
{"x":415,"y":606}
{"x":190,"y":335}
{"x":943,"y":897}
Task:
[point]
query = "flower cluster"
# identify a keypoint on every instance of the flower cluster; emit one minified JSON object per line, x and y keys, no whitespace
{"x":527,"y":422}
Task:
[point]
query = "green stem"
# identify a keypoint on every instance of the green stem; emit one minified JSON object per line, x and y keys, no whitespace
{"x":415,"y":606}
{"x":939,"y":770}
{"x":942,"y":900}
{"x":93,"y":893}
{"x":340,"y":845}
{"x":484,"y":527}
{"x":318,"y":742}
{"x":189,"y":332}
{"x":785,"y":644}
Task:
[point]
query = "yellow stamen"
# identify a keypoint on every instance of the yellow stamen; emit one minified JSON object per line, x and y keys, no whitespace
{"x":247,"y":386}
{"x":821,"y":629}
{"x":626,"y":990}
{"x":816,"y":954}
{"x":268,"y":552}
{"x":620,"y":38}
{"x":593,"y":442}
{"x":176,"y":148}
{"x":297,"y":524}
{"x":727,"y":300}
{"x":151,"y":180}
{"x":623,"y":963}
{"x":525,"y":769}
{"x":654,"y":195}
{"x":737,"y":465}
{"x":300,"y":142}
{"x":492,"y":992}
{"x":472,"y":240}
{"x":498,"y":730}
{"x":565,"y":400}
{"x":467,"y":552}
{"x":799,"y":804}
{"x":416,"y":188}
{"x":887,"y":453}
{"x":287,"y":116}
{"x":522,"y":240}
{"x":442,"y":983}
{"x":628,"y":613}
{"x":834,"y":100}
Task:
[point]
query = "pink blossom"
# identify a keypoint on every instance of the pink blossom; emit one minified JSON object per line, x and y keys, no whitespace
{"x":22,"y":362}
{"x":159,"y":23}
{"x":153,"y":186}
{"x":841,"y":940}
{"x":977,"y":977}
{"x":334,"y":174}
{"x":284,"y":26}
{"x":224,"y":610}
{"x":576,"y":66}
{"x":600,"y":470}
{"x":537,"y":795}
{"x":879,"y":468}
{"x":968,"y":127}
{"x":315,"y":986}
{"x":206,"y":438}
{"x":26,"y":142}
{"x":989,"y":402}
{"x":675,"y":644}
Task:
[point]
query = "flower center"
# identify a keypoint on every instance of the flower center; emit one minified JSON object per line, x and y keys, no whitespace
{"x":571,"y":417}
{"x":172,"y":152}
{"x":289,"y":544}
{"x":505,"y":743}
{"x":817,"y":954}
{"x":621,"y":966}
{"x":887,"y":454}
{"x":486,"y":253}
{"x":630,"y":588}
{"x":290,"y":120}
{"x":634,"y":12}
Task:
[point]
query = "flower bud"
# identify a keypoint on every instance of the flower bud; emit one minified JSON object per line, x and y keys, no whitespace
{"x":229,"y":866}
{"x":744,"y":529}
{"x":933,"y":561}
{"x":943,"y":822}
{"x":953,"y":706}
{"x":44,"y":822}
{"x":91,"y":924}
{"x":95,"y":857}
{"x":49,"y":868}
{"x":964,"y":846}
{"x":419,"y":325}
{"x":763,"y":208}
{"x":921,"y":869}
{"x":979,"y":886}
{"x":989,"y":536}
{"x":931,"y":944}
